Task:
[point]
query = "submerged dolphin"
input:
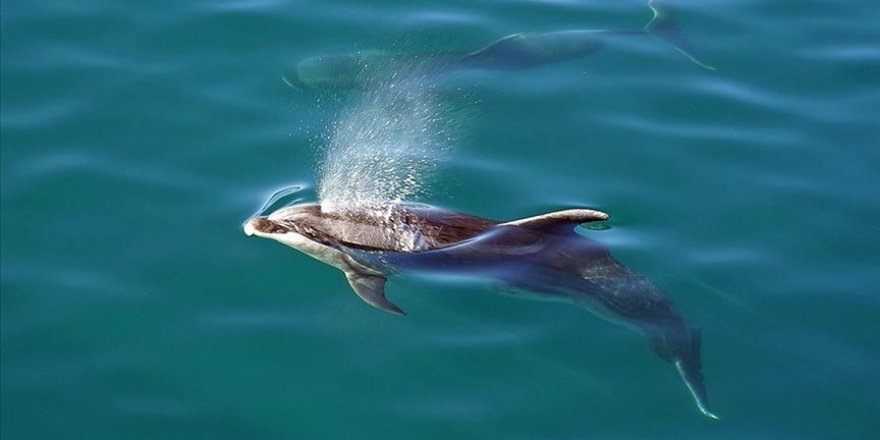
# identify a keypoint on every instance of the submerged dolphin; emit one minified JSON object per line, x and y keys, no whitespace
{"x":517,"y":51}
{"x":541,"y":254}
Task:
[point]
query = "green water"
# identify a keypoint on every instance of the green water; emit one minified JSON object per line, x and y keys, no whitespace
{"x":137,"y":137}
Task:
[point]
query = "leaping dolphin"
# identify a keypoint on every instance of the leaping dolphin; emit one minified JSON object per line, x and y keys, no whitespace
{"x":517,"y":51}
{"x":541,"y":254}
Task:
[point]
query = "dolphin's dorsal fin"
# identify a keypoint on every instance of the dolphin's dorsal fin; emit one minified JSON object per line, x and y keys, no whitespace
{"x":371,"y":289}
{"x":664,"y":27}
{"x":560,"y":220}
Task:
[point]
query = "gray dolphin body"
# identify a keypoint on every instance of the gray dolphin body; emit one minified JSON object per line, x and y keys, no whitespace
{"x":517,"y":51}
{"x":541,"y":254}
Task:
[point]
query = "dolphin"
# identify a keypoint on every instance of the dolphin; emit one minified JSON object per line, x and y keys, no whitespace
{"x":542,"y":255}
{"x":517,"y":51}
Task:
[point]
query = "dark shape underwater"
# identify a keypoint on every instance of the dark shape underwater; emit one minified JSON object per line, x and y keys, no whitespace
{"x":541,"y":254}
{"x":517,"y":51}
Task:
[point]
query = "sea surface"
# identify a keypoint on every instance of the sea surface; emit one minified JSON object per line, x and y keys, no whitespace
{"x":137,"y":137}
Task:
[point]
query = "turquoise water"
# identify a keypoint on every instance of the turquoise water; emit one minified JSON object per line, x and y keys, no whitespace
{"x":137,"y":137}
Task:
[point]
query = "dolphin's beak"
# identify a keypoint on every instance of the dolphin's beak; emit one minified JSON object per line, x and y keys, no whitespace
{"x":249,"y":228}
{"x":262,"y":226}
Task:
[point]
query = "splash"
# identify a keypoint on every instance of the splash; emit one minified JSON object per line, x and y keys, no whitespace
{"x":385,"y":148}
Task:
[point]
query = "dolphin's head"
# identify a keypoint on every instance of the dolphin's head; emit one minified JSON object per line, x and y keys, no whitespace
{"x":298,"y":226}
{"x":286,"y":222}
{"x":342,"y":71}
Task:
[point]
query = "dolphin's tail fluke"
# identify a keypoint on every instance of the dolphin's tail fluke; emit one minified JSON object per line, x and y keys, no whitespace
{"x":690,"y":368}
{"x":680,"y":345}
{"x":664,"y":27}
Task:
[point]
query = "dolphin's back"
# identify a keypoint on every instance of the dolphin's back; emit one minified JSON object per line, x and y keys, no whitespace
{"x":519,"y":51}
{"x":403,"y":228}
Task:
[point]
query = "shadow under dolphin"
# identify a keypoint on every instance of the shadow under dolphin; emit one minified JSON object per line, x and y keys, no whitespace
{"x":517,"y":51}
{"x":541,"y":254}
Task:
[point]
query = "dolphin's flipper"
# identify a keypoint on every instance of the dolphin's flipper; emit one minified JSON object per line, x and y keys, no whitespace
{"x":371,"y":289}
{"x":690,"y":369}
{"x":559,"y":221}
{"x":664,"y":27}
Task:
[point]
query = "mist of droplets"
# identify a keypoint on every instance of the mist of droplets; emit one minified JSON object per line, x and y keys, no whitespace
{"x":384,"y":149}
